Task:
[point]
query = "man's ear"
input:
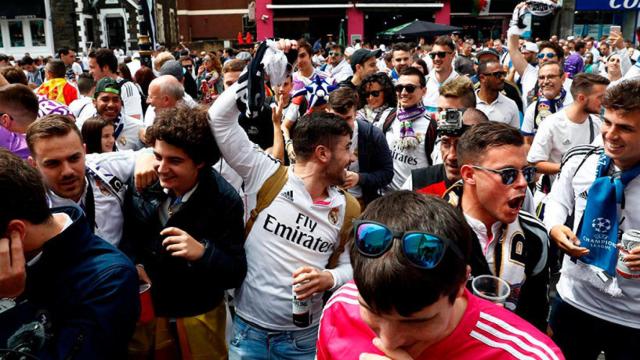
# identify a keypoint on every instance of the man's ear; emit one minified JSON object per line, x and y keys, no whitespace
{"x":18,"y":226}
{"x":322,"y":153}
{"x":31,"y":161}
{"x":466,"y":173}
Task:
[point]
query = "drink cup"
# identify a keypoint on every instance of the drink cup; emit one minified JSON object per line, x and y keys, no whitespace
{"x":146,"y":305}
{"x":491,"y":288}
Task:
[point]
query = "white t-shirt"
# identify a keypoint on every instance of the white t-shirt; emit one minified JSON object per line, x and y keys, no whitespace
{"x":131,"y":100}
{"x":405,"y":160}
{"x":341,"y":71}
{"x":430,"y":99}
{"x":78,"y":105}
{"x":568,"y":194}
{"x":502,"y":110}
{"x":528,"y":127}
{"x":530,"y":78}
{"x":150,"y":114}
{"x":293,"y":231}
{"x":557,"y":134}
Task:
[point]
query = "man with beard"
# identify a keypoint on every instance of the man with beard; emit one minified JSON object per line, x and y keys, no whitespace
{"x":598,"y":308}
{"x":95,"y":182}
{"x":108,"y":104}
{"x":295,"y":237}
{"x":553,"y":97}
{"x":337,"y":66}
{"x":400,"y":59}
{"x":412,"y":133}
{"x":490,"y":100}
{"x":510,"y":243}
{"x":442,"y":55}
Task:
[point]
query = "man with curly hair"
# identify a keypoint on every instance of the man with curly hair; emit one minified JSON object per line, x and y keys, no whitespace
{"x":186,"y":235}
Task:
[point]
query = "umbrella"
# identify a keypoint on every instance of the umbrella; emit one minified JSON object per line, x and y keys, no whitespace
{"x":419,"y":28}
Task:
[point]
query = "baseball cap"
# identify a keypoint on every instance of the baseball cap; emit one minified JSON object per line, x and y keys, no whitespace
{"x":488,"y":51}
{"x":530,"y":47}
{"x":173,"y":68}
{"x":361,"y":55}
{"x":244,"y":56}
{"x":107,"y":84}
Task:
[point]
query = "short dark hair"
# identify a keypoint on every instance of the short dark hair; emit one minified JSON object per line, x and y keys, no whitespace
{"x":92,"y":133}
{"x":556,"y":48}
{"x":401,"y":46}
{"x":445,"y":40}
{"x":124,"y":72}
{"x":338,"y":46}
{"x":411,"y":71}
{"x":474,"y":143}
{"x":343,"y":99}
{"x":317,"y":128}
{"x":85,"y":83}
{"x":50,"y":126}
{"x":26,"y":60}
{"x":623,"y":97}
{"x":105,"y":57}
{"x":56,"y":67}
{"x":188,"y":129}
{"x":423,"y":65}
{"x":14,"y":75}
{"x":579,"y":45}
{"x":390,"y":282}
{"x":22,"y":191}
{"x":304,"y":44}
{"x":387,"y":88}
{"x":20,"y":102}
{"x":583,"y":83}
{"x":63,"y":51}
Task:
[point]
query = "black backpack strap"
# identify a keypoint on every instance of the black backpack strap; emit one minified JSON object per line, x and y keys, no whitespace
{"x":388,"y":121}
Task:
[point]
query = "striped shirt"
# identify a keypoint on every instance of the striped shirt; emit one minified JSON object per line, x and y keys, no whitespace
{"x":485,"y":331}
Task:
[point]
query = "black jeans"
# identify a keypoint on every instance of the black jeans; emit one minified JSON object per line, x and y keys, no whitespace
{"x":581,"y":336}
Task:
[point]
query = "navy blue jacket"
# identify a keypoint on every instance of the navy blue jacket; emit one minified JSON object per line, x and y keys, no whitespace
{"x":84,"y":290}
{"x":213,"y":216}
{"x":374,"y":160}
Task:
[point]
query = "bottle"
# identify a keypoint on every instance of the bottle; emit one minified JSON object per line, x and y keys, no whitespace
{"x":301,"y":310}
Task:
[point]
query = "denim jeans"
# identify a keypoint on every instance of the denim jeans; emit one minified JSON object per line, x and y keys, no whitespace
{"x":254,"y":343}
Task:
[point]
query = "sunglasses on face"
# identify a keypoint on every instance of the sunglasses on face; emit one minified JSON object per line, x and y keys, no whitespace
{"x":440,"y":54}
{"x":422,"y":249}
{"x":410,"y":88}
{"x":374,"y":93}
{"x":496,"y":74}
{"x":510,"y":175}
{"x":547,"y":55}
{"x":334,"y":53}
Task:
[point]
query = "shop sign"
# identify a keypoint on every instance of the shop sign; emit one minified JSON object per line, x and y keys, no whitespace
{"x":607,"y":5}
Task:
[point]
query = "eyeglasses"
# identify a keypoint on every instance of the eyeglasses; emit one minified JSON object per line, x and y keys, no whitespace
{"x":334,"y":53}
{"x":440,"y":54}
{"x":410,"y":88}
{"x":496,"y":74}
{"x":374,"y":93}
{"x":510,"y":175}
{"x":548,"y":55}
{"x":422,"y":249}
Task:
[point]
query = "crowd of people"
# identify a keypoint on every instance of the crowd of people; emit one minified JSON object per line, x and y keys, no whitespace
{"x":299,"y":201}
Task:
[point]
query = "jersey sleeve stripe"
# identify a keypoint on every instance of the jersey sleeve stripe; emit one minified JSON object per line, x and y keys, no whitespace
{"x":515,"y":353}
{"x":512,"y":338}
{"x":504,"y":325}
{"x":341,"y":299}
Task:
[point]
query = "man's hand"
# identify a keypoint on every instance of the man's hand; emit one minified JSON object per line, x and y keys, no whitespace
{"x":13,"y":273}
{"x":395,"y":354}
{"x":292,"y":155}
{"x":616,"y":39}
{"x":181,"y":244}
{"x":631,"y":257}
{"x":311,"y":281}
{"x":351,"y":180}
{"x":144,"y":172}
{"x":567,"y":241}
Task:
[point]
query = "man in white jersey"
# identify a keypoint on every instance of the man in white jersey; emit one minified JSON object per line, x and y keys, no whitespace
{"x":442,"y":55}
{"x":294,"y":237}
{"x":598,"y":309}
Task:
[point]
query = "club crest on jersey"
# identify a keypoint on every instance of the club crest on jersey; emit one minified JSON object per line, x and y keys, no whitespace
{"x":333,"y":215}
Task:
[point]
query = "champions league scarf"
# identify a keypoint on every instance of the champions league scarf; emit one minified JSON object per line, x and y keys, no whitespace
{"x":598,"y":230}
{"x":406,"y":117}
{"x":546,"y":107}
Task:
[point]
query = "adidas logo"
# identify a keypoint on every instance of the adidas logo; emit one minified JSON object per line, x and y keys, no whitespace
{"x":583,"y":195}
{"x":287,"y":195}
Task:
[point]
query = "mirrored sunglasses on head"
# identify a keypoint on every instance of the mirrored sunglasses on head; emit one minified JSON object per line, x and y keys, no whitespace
{"x":422,"y":249}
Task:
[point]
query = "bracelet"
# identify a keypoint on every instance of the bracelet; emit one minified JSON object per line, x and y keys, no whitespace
{"x":288,"y":142}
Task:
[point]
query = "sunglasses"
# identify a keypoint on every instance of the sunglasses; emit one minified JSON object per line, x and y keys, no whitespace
{"x":496,"y":74}
{"x":410,"y":88}
{"x":422,"y":249}
{"x":547,"y":55}
{"x":440,"y":54}
{"x":510,"y":175}
{"x":333,"y":53}
{"x":374,"y":93}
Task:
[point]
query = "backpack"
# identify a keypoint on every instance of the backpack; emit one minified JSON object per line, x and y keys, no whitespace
{"x":271,"y":188}
{"x":429,"y":136}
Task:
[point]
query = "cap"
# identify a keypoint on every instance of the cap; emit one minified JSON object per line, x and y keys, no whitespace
{"x":487,"y":52}
{"x":530,"y":47}
{"x":244,"y":56}
{"x":362,"y":55}
{"x":173,"y":68}
{"x":107,"y":84}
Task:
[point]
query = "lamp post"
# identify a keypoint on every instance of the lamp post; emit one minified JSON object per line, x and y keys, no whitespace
{"x":144,"y":43}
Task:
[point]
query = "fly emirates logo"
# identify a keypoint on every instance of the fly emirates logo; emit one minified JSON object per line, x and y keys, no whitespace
{"x":301,"y":234}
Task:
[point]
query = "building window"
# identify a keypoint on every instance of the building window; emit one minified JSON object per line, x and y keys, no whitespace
{"x":1,"y":39}
{"x":160,"y":25}
{"x":37,"y":33}
{"x":16,"y":34}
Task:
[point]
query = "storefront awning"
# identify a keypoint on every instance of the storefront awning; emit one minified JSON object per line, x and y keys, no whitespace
{"x":23,"y":10}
